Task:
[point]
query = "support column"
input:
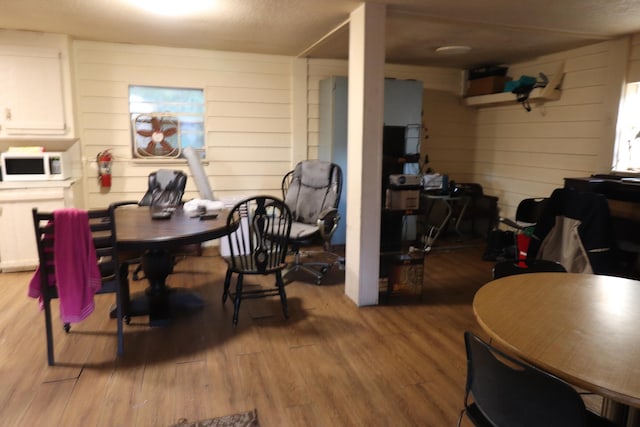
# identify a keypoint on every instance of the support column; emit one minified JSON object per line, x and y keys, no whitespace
{"x":364,"y":152}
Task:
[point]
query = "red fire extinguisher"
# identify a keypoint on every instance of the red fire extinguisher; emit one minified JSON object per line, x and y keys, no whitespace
{"x":104,"y":160}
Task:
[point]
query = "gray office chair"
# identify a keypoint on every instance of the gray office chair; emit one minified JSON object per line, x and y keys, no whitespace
{"x":312,"y":193}
{"x":502,"y":391}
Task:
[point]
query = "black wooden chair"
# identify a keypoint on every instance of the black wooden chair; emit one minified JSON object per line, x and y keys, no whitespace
{"x":100,"y":239}
{"x":502,"y":391}
{"x":258,"y":246}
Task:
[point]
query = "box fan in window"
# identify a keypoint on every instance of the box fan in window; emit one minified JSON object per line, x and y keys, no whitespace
{"x":156,"y":136}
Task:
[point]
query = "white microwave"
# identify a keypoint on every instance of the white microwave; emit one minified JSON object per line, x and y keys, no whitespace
{"x":46,"y":166}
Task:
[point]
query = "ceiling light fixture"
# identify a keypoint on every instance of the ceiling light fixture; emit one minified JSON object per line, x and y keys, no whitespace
{"x":453,"y":50}
{"x":174,"y":7}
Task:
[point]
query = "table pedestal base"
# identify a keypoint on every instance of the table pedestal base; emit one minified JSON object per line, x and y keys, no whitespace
{"x":159,"y":301}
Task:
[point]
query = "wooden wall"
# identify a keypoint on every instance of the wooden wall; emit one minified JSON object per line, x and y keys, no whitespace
{"x":633,"y":72}
{"x":253,"y":105}
{"x":518,"y":154}
{"x":445,"y":80}
{"x":248,"y":119}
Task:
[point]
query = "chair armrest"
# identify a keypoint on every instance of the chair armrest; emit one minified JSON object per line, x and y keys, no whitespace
{"x":328,"y":222}
{"x":510,"y":223}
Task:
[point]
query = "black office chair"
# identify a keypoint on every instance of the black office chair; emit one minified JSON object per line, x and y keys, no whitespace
{"x":312,"y":193}
{"x":527,"y":214}
{"x":502,"y":391}
{"x":258,"y":246}
{"x":165,"y":189}
{"x":509,"y":268}
{"x":100,"y":237}
{"x":576,"y":229}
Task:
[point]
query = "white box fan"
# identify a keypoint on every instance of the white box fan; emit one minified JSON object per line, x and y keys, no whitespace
{"x":156,"y":135}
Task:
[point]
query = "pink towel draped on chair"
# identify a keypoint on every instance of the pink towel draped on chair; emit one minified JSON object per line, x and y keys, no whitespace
{"x":77,"y":275}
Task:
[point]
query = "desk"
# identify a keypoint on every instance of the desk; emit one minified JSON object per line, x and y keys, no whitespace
{"x":138,"y":233}
{"x":582,"y":328}
{"x":448,"y":201}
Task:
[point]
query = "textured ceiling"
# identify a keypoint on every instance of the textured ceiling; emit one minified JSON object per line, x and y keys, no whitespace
{"x":499,"y":31}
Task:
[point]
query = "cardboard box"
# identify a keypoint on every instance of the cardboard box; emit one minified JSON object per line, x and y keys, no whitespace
{"x":487,"y":85}
{"x":405,"y":278}
{"x":402,"y":199}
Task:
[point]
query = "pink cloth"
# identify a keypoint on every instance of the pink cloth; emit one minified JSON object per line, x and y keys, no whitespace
{"x":77,"y":275}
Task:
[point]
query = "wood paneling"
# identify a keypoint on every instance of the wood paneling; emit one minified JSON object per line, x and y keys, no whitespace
{"x":248,"y":116}
{"x":521,"y":154}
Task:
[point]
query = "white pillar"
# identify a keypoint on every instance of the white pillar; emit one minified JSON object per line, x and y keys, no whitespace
{"x":364,"y":152}
{"x":299,"y":102}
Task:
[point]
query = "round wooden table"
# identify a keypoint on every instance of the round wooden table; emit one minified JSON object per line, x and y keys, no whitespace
{"x":154,"y":239}
{"x":583,"y":328}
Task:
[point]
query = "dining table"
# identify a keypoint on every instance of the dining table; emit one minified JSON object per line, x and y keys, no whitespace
{"x":582,"y":328}
{"x":151,"y":235}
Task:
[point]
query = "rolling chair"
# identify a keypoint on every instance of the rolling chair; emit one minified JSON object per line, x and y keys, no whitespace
{"x":258,"y":246}
{"x":576,"y":229}
{"x":312,"y":193}
{"x":527,"y":214}
{"x":165,"y":189}
{"x":502,"y":391}
{"x":94,"y":240}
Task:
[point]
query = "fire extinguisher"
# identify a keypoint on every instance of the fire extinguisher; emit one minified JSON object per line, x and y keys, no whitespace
{"x":104,"y":159}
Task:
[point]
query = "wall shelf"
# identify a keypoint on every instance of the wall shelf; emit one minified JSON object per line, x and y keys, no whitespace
{"x":537,"y":94}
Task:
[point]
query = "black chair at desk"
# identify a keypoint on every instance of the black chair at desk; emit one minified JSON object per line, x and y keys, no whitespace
{"x":165,"y":189}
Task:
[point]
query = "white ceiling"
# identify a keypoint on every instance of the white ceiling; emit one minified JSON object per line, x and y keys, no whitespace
{"x":499,"y":31}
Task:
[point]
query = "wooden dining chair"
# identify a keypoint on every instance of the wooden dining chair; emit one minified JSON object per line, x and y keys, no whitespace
{"x":258,"y":246}
{"x":101,"y":243}
{"x":502,"y":391}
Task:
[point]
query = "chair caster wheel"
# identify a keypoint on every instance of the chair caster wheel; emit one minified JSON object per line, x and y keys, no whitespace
{"x":324,"y":269}
{"x":127,"y":320}
{"x":67,"y":327}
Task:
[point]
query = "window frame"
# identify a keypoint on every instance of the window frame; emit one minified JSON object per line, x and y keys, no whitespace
{"x":181,"y":110}
{"x":626,"y":152}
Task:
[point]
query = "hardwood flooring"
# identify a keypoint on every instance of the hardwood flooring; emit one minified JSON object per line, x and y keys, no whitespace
{"x":330,"y":364}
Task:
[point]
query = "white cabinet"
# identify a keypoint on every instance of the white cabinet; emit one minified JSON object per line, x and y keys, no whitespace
{"x":31,"y":92}
{"x":18,"y":249}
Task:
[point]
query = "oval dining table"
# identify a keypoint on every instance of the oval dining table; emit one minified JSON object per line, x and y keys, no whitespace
{"x":582,"y":328}
{"x":153,"y":240}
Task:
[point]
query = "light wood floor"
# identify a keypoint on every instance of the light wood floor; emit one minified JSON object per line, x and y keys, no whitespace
{"x":330,"y":364}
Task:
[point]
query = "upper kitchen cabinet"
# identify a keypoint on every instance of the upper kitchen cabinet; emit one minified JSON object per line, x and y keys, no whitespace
{"x":31,"y":93}
{"x":35,"y":89}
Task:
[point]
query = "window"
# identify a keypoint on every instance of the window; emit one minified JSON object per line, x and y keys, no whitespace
{"x":627,"y":150}
{"x":165,"y":121}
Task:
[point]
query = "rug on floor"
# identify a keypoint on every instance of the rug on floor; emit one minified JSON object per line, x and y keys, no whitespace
{"x":243,"y":419}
